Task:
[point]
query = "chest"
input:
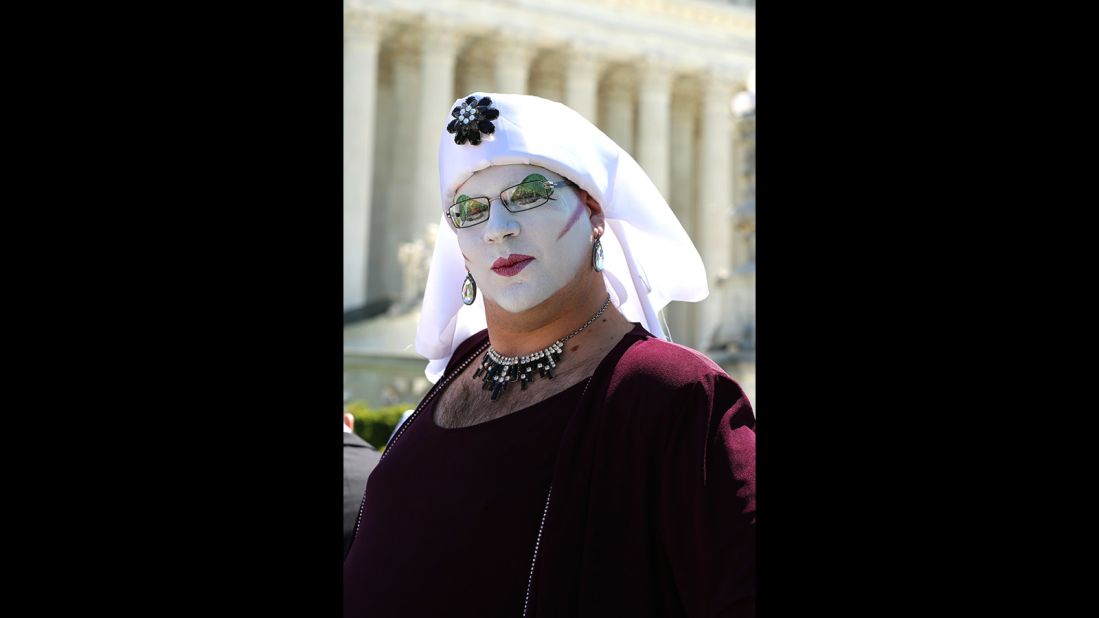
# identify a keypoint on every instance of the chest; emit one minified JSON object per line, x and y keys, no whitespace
{"x":459,"y":508}
{"x":466,"y":402}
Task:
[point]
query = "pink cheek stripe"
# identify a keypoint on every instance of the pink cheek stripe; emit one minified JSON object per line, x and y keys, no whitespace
{"x":572,"y":220}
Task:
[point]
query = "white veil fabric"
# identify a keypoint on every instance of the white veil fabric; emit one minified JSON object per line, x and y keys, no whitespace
{"x":649,"y":260}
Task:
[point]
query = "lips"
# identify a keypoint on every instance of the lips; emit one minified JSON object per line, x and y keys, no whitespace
{"x":511,"y":265}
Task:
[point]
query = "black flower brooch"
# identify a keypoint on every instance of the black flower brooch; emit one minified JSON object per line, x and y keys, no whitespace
{"x":471,"y":119}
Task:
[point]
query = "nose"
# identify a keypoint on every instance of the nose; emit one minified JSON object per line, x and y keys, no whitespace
{"x":501,"y":223}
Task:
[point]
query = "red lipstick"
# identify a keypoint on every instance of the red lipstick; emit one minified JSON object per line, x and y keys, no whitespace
{"x":511,"y":265}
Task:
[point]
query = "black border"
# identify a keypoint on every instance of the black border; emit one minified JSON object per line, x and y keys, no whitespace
{"x":211,"y":330}
{"x":876,"y":341}
{"x":221,"y":414}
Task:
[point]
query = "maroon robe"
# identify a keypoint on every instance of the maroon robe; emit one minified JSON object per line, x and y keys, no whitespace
{"x":652,"y":509}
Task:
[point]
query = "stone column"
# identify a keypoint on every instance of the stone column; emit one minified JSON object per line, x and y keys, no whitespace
{"x":513,"y":58}
{"x":743,"y":288}
{"x":714,"y":199}
{"x":475,"y":71}
{"x":582,"y":80}
{"x":361,"y":39}
{"x":739,"y":171}
{"x":654,"y":96}
{"x":547,"y":77}
{"x":385,"y":117}
{"x":683,"y":147}
{"x":404,"y":120}
{"x":617,"y":110}
{"x":438,"y":45}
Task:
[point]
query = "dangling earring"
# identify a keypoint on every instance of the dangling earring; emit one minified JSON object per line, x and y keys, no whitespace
{"x":597,"y":256}
{"x":469,"y":289}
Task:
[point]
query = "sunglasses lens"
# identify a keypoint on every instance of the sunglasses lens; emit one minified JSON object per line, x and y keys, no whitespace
{"x":529,"y":195}
{"x":469,"y":211}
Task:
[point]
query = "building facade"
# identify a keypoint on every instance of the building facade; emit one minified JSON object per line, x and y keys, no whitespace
{"x":658,"y":76}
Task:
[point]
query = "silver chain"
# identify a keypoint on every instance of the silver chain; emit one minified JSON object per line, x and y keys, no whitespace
{"x":589,"y":322}
{"x":511,"y":360}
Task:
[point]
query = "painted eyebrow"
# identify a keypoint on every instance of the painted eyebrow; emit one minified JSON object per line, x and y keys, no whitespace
{"x":526,"y":179}
{"x":573,"y":218}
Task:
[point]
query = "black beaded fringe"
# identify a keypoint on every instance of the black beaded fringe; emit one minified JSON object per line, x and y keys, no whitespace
{"x":500,"y":371}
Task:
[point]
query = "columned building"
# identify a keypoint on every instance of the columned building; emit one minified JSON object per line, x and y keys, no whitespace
{"x":658,"y":76}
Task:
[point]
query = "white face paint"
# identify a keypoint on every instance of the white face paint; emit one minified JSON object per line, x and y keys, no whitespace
{"x":556,"y":236}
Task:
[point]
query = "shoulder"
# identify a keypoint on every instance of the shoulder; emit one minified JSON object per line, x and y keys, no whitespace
{"x":672,"y":386}
{"x":662,"y":365}
{"x":358,"y":454}
{"x":353,"y":440}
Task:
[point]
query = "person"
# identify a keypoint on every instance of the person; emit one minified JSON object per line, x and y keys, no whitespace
{"x":359,"y":459}
{"x":569,"y":460}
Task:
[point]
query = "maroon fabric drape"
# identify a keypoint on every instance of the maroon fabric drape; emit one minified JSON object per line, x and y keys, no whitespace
{"x":653,"y":501}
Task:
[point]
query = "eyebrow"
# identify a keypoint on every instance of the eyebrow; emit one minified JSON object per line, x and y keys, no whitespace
{"x":510,"y":185}
{"x":572,"y":219}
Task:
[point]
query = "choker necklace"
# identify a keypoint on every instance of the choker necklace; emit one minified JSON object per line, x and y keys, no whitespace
{"x":503,"y":370}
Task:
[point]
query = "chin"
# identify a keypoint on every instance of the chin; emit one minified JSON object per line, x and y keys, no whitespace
{"x":518,"y":300}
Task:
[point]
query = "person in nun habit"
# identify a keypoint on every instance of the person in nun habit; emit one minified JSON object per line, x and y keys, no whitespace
{"x":569,"y":459}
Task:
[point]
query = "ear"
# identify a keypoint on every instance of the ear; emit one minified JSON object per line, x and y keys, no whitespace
{"x":349,"y":420}
{"x":597,"y":218}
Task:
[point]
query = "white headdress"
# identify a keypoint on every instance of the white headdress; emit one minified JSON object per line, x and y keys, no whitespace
{"x":649,"y":258}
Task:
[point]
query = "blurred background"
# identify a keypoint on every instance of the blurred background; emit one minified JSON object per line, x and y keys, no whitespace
{"x":671,"y":81}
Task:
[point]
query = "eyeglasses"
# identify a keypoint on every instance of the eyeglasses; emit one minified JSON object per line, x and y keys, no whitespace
{"x":534,"y":191}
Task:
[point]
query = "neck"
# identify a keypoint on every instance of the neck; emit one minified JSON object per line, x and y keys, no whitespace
{"x":514,"y":334}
